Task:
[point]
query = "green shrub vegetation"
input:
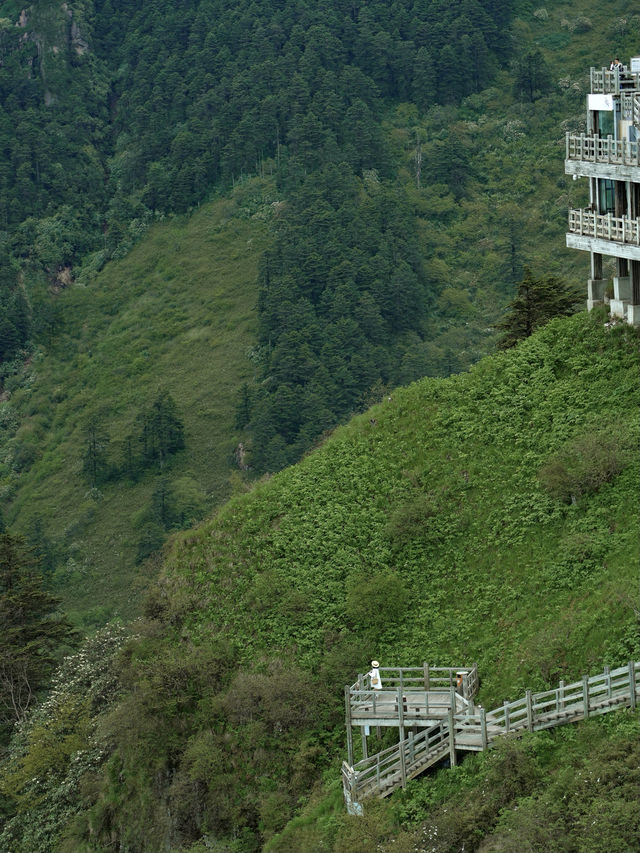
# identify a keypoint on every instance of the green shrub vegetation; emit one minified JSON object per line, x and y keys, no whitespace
{"x":231,"y":708}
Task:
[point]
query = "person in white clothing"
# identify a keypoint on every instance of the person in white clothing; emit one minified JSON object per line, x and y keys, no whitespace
{"x":374,"y":675}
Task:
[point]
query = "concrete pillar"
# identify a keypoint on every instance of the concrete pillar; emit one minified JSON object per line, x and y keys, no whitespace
{"x":633,"y":315}
{"x":596,"y":265}
{"x":595,"y":291}
{"x":621,"y":296}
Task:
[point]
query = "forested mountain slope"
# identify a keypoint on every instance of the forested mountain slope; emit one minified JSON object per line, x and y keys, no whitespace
{"x":175,"y":317}
{"x":490,"y":516}
{"x":403,"y":171}
{"x":396,"y":233}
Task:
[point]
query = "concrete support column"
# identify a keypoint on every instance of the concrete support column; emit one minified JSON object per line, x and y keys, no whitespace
{"x":621,"y":296}
{"x":622,"y":267}
{"x":595,"y":291}
{"x":596,"y":265}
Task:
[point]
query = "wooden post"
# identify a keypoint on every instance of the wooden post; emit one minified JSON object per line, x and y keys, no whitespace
{"x":506,"y":717}
{"x":403,"y":769}
{"x":632,"y":685}
{"x":365,"y":752}
{"x":378,"y":771}
{"x":529,"y":711}
{"x":483,"y":729}
{"x":561,"y":696}
{"x":412,"y":754}
{"x":585,"y":696}
{"x":607,"y":675}
{"x":347,"y":703}
{"x":452,"y":700}
{"x":452,"y":740}
{"x":426,"y":675}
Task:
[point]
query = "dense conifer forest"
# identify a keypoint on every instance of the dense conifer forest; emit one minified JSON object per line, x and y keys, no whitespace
{"x":227,"y":230}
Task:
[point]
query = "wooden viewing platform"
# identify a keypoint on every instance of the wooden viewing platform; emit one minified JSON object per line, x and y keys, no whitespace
{"x":604,"y":151}
{"x":461,"y":725}
{"x":604,"y":233}
{"x":606,"y":82}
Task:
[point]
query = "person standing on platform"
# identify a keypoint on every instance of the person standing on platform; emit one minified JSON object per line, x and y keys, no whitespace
{"x":374,"y":676}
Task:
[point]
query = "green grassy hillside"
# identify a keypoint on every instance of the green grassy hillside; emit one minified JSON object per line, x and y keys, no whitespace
{"x":488,"y":517}
{"x":177,"y":314}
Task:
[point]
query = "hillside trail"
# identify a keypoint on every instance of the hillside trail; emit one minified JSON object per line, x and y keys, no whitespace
{"x":434,"y":711}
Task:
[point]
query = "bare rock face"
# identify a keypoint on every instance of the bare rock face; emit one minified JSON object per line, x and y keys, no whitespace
{"x":78,"y":43}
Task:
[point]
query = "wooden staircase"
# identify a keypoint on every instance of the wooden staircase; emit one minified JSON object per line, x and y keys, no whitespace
{"x":469,"y":728}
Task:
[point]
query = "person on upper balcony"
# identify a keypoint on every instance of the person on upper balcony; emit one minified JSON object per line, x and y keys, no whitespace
{"x":616,"y":65}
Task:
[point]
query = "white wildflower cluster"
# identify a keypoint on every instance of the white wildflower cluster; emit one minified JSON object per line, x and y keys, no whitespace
{"x":574,"y":125}
{"x":513,"y":129}
{"x":89,"y":675}
{"x":581,"y":24}
{"x":429,"y":839}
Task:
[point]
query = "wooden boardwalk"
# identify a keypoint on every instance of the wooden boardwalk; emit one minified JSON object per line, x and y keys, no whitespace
{"x":450,"y":722}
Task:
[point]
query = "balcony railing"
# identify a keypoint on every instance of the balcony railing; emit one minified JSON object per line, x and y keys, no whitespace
{"x":607,"y":82}
{"x":594,"y":149}
{"x":619,"y":229}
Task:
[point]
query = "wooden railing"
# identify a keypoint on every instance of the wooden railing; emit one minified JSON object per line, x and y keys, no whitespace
{"x":594,"y":149}
{"x":403,"y":705}
{"x":630,"y":107}
{"x":387,"y":770}
{"x":424,"y":678}
{"x":620,"y":229}
{"x":607,"y":82}
{"x":475,"y":730}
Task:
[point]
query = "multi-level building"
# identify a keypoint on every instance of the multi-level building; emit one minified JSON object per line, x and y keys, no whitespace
{"x":609,"y":156}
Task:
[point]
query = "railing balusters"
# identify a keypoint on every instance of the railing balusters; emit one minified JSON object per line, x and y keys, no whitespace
{"x":529,"y":711}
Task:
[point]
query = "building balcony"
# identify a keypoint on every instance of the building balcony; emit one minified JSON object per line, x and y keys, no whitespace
{"x":618,"y":236}
{"x":605,"y":82}
{"x":593,"y":156}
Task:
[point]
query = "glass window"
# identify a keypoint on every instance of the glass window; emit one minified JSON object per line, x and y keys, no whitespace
{"x":605,"y":122}
{"x":607,"y":196}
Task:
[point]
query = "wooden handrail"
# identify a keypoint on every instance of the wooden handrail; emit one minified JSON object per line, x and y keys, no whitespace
{"x":618,"y":229}
{"x":606,"y":82}
{"x":596,"y":149}
{"x":382,"y":773}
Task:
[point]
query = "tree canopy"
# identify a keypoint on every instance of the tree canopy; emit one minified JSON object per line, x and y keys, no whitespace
{"x":31,"y":631}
